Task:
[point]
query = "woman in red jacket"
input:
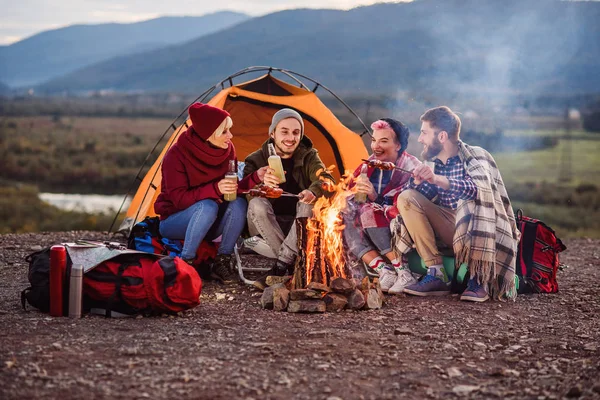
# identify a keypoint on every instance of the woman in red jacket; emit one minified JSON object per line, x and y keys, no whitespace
{"x":191,"y":204}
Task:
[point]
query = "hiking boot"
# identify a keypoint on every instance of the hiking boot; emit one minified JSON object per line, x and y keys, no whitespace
{"x":430,"y":285}
{"x":259,"y":246}
{"x":279,"y":269}
{"x":387,"y":278}
{"x":222,"y":270}
{"x":405,"y":278}
{"x":475,"y":292}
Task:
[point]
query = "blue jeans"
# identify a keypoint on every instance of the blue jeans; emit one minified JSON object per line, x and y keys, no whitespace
{"x":206,"y":219}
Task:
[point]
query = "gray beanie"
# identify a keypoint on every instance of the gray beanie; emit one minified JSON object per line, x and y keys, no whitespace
{"x":283,"y":114}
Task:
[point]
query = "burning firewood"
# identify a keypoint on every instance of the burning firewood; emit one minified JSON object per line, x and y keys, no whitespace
{"x":322,"y":279}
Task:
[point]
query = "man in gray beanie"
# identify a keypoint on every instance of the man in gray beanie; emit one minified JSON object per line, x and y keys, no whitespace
{"x":271,"y":221}
{"x":285,"y":113}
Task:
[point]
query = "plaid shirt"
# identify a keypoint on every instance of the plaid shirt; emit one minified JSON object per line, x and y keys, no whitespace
{"x":461,"y":184}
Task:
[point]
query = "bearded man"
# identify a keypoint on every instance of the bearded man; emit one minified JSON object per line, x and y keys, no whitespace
{"x":461,"y":202}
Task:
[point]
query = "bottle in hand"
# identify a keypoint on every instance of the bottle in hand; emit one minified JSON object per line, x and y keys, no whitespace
{"x":275,"y":163}
{"x":231,"y":174}
{"x":358,"y":196}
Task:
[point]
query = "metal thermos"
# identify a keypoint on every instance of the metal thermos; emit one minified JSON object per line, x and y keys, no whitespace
{"x":75,"y":289}
{"x":58,"y":269}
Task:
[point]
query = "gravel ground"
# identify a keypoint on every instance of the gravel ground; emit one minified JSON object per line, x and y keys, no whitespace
{"x":538,"y":347}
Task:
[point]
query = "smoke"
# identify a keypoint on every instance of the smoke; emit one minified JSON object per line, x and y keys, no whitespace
{"x":492,"y":60}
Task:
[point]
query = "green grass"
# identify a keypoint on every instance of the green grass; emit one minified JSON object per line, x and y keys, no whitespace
{"x":76,"y":154}
{"x":576,"y":134}
{"x":567,"y":222}
{"x":545,"y":165}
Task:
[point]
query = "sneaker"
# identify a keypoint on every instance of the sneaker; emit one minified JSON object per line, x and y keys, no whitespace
{"x":222,"y":270}
{"x":475,"y":292}
{"x":430,"y":285}
{"x":405,"y":278}
{"x":387,"y":278}
{"x":259,"y":246}
{"x":279,"y":269}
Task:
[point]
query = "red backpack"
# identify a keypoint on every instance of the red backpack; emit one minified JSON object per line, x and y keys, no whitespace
{"x":537,"y":257}
{"x":132,"y":283}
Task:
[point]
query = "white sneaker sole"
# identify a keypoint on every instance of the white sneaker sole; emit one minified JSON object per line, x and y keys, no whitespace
{"x":259,"y":246}
{"x":396,"y":291}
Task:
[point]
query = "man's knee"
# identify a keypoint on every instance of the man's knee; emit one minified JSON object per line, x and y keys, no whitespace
{"x":408,"y":199}
{"x":303,"y":210}
{"x":259,"y":208}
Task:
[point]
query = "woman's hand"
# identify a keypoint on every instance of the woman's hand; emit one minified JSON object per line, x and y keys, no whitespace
{"x":227,"y":186}
{"x":269,"y":178}
{"x":365,"y":186}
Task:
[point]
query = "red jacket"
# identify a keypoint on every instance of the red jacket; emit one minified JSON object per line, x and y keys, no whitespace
{"x":191,"y":170}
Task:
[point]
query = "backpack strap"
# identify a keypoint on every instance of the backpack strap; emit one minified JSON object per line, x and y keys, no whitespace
{"x":117,"y":295}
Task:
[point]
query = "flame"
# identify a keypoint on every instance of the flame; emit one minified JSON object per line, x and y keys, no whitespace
{"x":324,"y":242}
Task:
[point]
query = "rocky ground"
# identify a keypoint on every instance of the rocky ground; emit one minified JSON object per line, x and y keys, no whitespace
{"x":538,"y":347}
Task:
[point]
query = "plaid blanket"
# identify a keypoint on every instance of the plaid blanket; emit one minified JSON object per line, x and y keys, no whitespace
{"x":486,"y":235}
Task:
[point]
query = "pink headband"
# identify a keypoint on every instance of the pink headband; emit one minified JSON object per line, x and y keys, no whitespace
{"x":380,"y":124}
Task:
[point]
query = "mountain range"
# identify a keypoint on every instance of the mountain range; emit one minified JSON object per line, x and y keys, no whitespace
{"x":57,"y":52}
{"x":449,"y":46}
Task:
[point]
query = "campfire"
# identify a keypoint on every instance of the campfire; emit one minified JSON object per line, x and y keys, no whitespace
{"x":323,"y":278}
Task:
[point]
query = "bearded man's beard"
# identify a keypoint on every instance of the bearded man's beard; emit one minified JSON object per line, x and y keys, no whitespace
{"x":432,"y":150}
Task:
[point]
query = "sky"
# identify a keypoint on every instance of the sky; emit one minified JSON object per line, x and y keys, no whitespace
{"x":20,"y":19}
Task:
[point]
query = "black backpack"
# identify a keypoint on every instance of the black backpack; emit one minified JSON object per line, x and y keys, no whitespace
{"x":38,"y":294}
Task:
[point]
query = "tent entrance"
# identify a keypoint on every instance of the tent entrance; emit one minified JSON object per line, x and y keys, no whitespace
{"x":251,"y":121}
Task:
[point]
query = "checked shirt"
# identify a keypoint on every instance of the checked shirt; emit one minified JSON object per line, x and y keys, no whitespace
{"x":461,"y":184}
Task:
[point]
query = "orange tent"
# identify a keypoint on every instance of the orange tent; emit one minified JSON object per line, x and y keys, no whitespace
{"x":252,"y":105}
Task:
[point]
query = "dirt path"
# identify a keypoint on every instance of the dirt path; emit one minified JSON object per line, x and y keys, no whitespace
{"x":541,"y":346}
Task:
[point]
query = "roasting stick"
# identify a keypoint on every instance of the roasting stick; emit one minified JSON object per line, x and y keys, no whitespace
{"x":371,"y":163}
{"x":260,"y":193}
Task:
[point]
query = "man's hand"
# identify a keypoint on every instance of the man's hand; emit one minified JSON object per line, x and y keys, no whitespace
{"x":269,"y":178}
{"x":423,"y":173}
{"x":306,"y":196}
{"x":261,"y":173}
{"x":365,"y":186}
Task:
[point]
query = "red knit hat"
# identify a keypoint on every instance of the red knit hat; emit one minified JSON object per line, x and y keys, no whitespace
{"x":206,"y":119}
